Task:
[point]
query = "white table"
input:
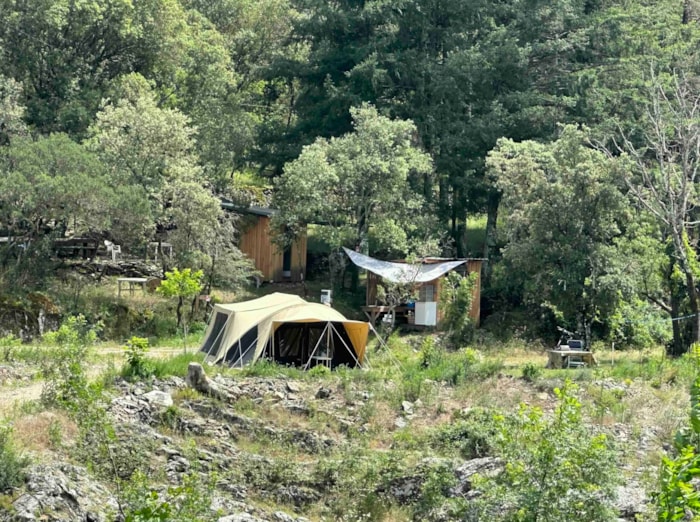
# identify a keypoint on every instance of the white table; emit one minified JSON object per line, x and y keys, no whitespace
{"x":131,"y":282}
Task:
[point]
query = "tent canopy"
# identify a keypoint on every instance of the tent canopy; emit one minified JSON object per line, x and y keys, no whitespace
{"x":403,"y":272}
{"x":286,"y":328}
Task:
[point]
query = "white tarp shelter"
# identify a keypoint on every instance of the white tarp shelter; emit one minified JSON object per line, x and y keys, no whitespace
{"x":403,"y":272}
{"x":285,"y":328}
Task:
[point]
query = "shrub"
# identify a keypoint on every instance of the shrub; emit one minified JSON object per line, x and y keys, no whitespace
{"x":532,"y":372}
{"x":556,"y":469}
{"x":137,"y":366}
{"x":12,"y":463}
{"x":319,"y":371}
{"x":472,"y":434}
{"x":8,"y":345}
{"x":678,"y":499}
{"x":66,"y":379}
{"x":456,"y":301}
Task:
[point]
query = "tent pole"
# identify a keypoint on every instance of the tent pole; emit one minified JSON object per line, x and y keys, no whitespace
{"x":352,"y":352}
{"x":228,"y":318}
{"x":386,"y":346}
{"x":320,"y":338}
{"x":240,"y":359}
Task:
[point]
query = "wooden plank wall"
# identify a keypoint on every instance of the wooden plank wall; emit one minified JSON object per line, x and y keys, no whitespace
{"x":474,"y":266}
{"x":256,"y":242}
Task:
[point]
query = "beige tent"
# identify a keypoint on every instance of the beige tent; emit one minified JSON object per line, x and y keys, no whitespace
{"x":285,"y":328}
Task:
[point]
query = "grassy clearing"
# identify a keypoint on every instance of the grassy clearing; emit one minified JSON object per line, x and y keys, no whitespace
{"x":453,"y":396}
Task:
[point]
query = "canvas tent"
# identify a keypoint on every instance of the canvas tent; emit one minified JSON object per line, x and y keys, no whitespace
{"x":285,"y":328}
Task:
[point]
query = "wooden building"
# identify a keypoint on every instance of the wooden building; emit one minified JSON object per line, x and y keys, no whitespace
{"x":257,"y":241}
{"x":428,"y":280}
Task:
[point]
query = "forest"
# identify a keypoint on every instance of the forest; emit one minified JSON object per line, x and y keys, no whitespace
{"x":558,"y":141}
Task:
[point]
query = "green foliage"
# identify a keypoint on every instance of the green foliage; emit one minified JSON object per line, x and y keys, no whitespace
{"x":188,"y":502}
{"x":65,"y":373}
{"x":678,"y":498}
{"x":182,"y":285}
{"x":137,"y":365}
{"x":472,"y":434}
{"x":8,"y":345}
{"x":456,"y":300}
{"x":564,"y":212}
{"x":173,"y":366}
{"x":555,"y":468}
{"x":532,"y":372}
{"x":12,"y":463}
{"x":319,"y":370}
{"x":356,"y":181}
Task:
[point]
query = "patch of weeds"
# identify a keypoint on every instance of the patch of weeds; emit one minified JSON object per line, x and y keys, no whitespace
{"x":12,"y":462}
{"x":319,"y":371}
{"x":188,"y":502}
{"x":471,"y":434}
{"x":55,"y":435}
{"x":171,"y":417}
{"x":8,"y":345}
{"x":174,"y":366}
{"x":186,"y":394}
{"x":531,"y":372}
{"x":137,"y":365}
{"x":544,"y":453}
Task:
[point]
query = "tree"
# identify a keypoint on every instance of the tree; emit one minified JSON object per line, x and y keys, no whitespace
{"x":11,"y":110}
{"x":153,"y":149}
{"x":354,"y":182}
{"x":662,"y":176}
{"x":564,"y":213}
{"x":182,"y":285}
{"x":52,"y":185}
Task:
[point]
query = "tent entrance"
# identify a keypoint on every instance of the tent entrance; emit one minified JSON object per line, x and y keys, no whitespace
{"x":213,"y":341}
{"x":308,"y":344}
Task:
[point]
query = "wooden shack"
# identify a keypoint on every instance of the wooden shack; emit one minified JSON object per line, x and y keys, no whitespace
{"x":424,"y":310}
{"x":257,"y":241}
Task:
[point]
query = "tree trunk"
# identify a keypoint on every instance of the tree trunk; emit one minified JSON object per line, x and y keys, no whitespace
{"x":178,"y":311}
{"x":675,"y":349}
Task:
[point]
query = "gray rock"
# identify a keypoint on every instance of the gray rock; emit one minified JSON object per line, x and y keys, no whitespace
{"x":631,"y":500}
{"x":407,"y":407}
{"x":293,"y":387}
{"x":323,"y":393}
{"x":65,"y":492}
{"x":159,"y":399}
{"x":485,"y":466}
{"x":240,"y":517}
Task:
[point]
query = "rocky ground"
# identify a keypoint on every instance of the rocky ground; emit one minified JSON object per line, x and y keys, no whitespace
{"x":276,"y":448}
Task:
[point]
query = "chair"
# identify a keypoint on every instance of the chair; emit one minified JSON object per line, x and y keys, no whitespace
{"x":575,"y":361}
{"x":116,"y":249}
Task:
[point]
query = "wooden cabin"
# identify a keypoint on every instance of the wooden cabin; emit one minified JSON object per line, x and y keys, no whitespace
{"x":424,"y":310}
{"x":257,"y":241}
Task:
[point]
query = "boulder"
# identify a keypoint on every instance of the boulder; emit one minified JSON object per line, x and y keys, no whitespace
{"x":65,"y":492}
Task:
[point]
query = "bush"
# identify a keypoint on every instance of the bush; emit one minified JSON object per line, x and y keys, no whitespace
{"x":556,"y":469}
{"x":532,"y":372}
{"x":66,"y":378}
{"x":456,"y":301}
{"x":137,"y":366}
{"x":8,"y":345}
{"x":678,"y":499}
{"x":12,"y":463}
{"x":472,"y":435}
